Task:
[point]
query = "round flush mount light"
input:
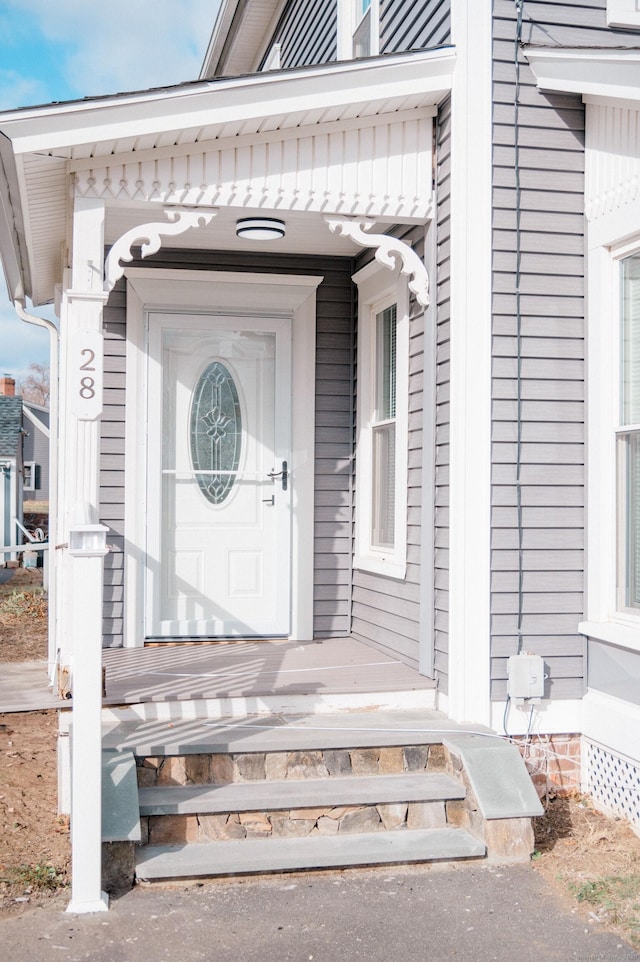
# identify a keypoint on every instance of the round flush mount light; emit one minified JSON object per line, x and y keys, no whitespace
{"x":260,"y":228}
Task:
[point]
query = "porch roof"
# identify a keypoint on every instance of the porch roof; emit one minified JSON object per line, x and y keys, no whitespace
{"x":46,"y":146}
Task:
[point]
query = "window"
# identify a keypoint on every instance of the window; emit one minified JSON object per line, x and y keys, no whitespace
{"x":358,"y":28}
{"x":382,"y":424}
{"x":383,"y":430}
{"x":30,"y":476}
{"x":628,"y":436}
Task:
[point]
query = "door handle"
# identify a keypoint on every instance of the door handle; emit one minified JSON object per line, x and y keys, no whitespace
{"x":284,"y":474}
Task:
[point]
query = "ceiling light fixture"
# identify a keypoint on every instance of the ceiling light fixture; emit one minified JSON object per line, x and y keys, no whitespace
{"x":260,"y":228}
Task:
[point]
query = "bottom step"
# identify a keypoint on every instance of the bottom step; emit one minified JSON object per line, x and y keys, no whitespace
{"x":291,"y":854}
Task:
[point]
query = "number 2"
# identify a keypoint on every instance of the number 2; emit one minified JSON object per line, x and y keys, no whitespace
{"x":87,"y":366}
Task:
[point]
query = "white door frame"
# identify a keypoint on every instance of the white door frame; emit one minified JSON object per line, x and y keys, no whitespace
{"x":219,"y":292}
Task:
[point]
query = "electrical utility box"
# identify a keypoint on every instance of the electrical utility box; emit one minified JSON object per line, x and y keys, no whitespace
{"x":525,"y":678}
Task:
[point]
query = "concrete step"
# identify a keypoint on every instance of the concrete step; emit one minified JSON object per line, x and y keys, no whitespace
{"x":206,"y":860}
{"x":175,"y":735}
{"x":297,"y":793}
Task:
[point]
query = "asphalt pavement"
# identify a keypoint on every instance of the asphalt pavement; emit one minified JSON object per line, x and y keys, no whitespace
{"x":468,"y":913}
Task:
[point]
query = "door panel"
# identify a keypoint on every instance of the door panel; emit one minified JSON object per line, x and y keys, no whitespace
{"x":219,"y":526}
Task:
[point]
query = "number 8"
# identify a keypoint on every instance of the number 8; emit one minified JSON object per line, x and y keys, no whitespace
{"x":87,"y":388}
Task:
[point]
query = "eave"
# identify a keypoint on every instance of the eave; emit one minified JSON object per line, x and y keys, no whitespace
{"x":51,"y":144}
{"x":597,"y":74}
{"x":240,"y":37}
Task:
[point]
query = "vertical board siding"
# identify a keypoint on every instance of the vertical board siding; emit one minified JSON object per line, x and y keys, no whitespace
{"x":441,"y":289}
{"x":406,"y":25}
{"x":545,"y":590}
{"x":307,"y":33}
{"x":385,"y":611}
{"x":334,"y":441}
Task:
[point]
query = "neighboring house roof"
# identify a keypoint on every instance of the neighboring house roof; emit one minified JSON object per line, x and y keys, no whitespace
{"x":10,"y":425}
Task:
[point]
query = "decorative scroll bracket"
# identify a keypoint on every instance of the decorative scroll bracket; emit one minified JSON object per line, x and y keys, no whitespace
{"x":180,"y":220}
{"x":388,"y":252}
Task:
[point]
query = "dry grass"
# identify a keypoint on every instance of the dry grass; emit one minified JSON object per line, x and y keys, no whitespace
{"x":593,"y":858}
{"x":23,"y":617}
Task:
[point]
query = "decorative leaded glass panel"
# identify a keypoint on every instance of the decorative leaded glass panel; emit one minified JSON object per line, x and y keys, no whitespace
{"x":216,"y":432}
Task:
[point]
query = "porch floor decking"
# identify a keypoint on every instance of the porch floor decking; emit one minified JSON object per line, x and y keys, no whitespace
{"x":254,"y":669}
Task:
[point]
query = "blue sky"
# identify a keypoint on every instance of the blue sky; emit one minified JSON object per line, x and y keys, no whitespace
{"x":53,"y":50}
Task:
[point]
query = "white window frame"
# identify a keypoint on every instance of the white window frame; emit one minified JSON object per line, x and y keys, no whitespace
{"x":623,"y":13}
{"x":377,"y":289}
{"x":349,"y":20}
{"x":607,"y":619}
{"x":31,"y":467}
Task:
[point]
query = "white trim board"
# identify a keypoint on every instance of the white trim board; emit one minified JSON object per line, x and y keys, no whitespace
{"x":470,"y":451}
{"x":230,"y":292}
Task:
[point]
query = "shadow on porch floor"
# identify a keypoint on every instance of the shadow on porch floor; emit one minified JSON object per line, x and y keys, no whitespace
{"x":254,"y":669}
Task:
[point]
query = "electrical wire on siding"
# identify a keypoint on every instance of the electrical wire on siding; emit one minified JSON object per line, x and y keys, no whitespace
{"x":518,"y":275}
{"x":519,"y":5}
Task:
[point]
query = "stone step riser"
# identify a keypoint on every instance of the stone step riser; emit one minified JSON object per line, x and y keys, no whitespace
{"x":222,"y":768}
{"x":300,"y":823}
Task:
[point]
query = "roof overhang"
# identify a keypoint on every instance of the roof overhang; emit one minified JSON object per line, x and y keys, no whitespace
{"x":598,"y":74}
{"x":240,"y":37}
{"x":50,"y":144}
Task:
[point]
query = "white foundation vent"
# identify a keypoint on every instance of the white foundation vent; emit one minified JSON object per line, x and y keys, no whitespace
{"x":614,"y":783}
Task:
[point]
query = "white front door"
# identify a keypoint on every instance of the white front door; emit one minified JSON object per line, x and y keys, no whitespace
{"x":218,"y":483}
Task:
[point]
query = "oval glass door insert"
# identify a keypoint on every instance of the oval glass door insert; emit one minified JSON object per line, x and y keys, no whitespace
{"x":216,"y":432}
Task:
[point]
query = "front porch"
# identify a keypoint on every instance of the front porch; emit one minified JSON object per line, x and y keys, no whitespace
{"x":256,"y":676}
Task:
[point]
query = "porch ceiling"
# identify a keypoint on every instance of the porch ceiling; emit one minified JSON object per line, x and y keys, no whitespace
{"x":89,"y":139}
{"x":306,"y":233}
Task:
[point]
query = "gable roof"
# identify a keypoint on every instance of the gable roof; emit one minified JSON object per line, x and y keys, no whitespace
{"x":10,"y":425}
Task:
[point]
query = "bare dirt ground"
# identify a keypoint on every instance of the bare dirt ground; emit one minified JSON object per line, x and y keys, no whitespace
{"x":586,"y":856}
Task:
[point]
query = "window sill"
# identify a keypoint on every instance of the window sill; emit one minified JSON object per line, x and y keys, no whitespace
{"x":613,"y":632}
{"x":381,"y":566}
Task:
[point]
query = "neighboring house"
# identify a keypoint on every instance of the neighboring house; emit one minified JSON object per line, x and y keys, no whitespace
{"x":35,"y":418}
{"x":24,"y":454}
{"x":388,"y":213}
{"x":11,"y":467}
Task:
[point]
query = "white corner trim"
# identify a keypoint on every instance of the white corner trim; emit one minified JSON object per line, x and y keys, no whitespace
{"x":389,"y":251}
{"x":220,"y":292}
{"x":470,"y":451}
{"x":178,"y":221}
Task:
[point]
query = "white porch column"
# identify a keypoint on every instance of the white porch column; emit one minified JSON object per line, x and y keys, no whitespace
{"x":470,"y":451}
{"x":80,"y":623}
{"x":87,"y":549}
{"x":81,"y":367}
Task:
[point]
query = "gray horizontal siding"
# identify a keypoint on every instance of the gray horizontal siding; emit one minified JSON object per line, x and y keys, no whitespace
{"x":112,"y":464}
{"x":307,"y":32}
{"x":407,"y":25}
{"x":443,"y":274}
{"x":334,"y":441}
{"x":550,"y":550}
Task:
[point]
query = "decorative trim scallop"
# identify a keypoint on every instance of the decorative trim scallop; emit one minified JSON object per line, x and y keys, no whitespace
{"x":151,"y":236}
{"x":389,"y":251}
{"x":373,"y":170}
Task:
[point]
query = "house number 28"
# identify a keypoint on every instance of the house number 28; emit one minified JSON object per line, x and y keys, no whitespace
{"x":87,"y":383}
{"x":86,"y":359}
